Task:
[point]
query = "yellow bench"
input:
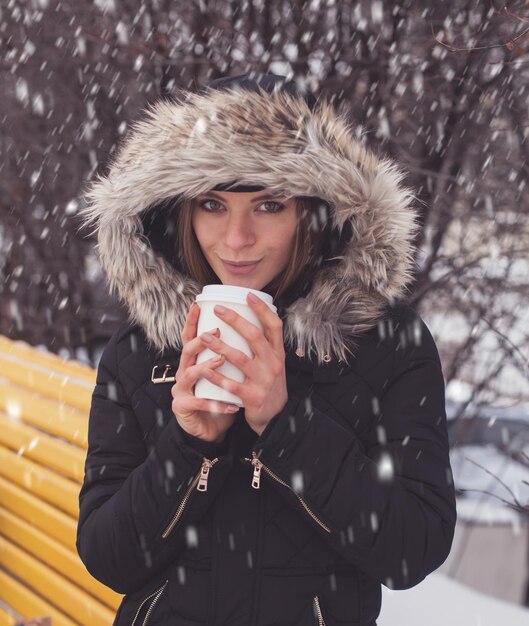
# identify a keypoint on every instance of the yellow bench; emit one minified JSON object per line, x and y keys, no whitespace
{"x":44,"y":404}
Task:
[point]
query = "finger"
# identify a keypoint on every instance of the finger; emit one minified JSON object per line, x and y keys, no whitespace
{"x":254,"y":336}
{"x":191,"y":404}
{"x":216,"y":406}
{"x":186,"y":378}
{"x":238,"y":358}
{"x":190,"y":325}
{"x":233,"y":386}
{"x":192,"y":348}
{"x":193,"y":374}
{"x":272,"y":323}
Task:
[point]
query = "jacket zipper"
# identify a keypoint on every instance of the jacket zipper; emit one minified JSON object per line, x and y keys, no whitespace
{"x":321,"y":621}
{"x":258,"y":466}
{"x":156,"y":595}
{"x":200,"y":481}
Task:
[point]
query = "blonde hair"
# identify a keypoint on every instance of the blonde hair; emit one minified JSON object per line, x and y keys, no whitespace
{"x":306,"y":254}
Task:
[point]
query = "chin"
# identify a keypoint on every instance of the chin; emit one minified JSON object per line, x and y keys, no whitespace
{"x":243,"y":281}
{"x":240,"y":281}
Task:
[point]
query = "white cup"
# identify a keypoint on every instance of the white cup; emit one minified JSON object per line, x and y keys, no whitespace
{"x":233,"y":297}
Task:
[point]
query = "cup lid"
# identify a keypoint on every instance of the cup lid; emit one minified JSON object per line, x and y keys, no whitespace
{"x":233,"y":293}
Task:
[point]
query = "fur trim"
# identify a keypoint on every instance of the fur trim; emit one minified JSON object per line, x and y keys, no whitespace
{"x":273,"y":139}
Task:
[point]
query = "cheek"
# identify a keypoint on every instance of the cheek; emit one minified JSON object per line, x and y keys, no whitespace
{"x":283,"y":238}
{"x":287,"y":234}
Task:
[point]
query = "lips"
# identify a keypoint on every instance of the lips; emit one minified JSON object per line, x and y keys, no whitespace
{"x":241,"y":269}
{"x":240,"y":263}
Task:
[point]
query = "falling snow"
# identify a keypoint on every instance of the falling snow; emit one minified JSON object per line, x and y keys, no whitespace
{"x":74,"y":82}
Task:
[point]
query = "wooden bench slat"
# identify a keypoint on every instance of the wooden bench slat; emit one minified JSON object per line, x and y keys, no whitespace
{"x":50,"y":520}
{"x":28,"y":604}
{"x":74,"y":602}
{"x":61,"y":492}
{"x":48,"y":415}
{"x":72,"y":391}
{"x":48,"y":359}
{"x":40,"y":447}
{"x":59,"y":558}
{"x":44,"y":406}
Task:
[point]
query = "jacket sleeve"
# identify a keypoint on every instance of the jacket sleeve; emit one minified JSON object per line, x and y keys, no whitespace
{"x":130,"y":494}
{"x":387,"y":505}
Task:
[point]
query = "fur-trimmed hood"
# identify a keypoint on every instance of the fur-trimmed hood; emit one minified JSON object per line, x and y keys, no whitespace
{"x":276,"y":139}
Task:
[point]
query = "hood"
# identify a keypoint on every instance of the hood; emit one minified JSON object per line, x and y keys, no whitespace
{"x":271,"y":136}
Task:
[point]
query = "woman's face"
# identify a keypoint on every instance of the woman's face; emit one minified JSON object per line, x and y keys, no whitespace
{"x":243,"y":227}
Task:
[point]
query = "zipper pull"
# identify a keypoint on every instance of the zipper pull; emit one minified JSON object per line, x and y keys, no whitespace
{"x":204,"y":473}
{"x":256,"y":479}
{"x":257,"y":466}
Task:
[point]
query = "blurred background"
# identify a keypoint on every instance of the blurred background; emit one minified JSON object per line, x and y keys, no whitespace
{"x":441,"y":87}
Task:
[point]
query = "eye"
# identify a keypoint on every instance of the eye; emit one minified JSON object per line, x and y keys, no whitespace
{"x":210,"y":209}
{"x":276,"y":206}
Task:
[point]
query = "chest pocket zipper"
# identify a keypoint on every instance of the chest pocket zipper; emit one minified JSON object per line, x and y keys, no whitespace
{"x":200,"y":482}
{"x":154,"y":597}
{"x":321,"y":621}
{"x":256,"y":482}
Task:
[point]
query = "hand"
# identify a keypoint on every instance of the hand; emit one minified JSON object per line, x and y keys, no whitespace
{"x":264,"y":390}
{"x":206,"y":419}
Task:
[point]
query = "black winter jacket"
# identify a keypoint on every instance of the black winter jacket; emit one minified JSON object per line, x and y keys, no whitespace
{"x":355,"y":489}
{"x":349,"y":486}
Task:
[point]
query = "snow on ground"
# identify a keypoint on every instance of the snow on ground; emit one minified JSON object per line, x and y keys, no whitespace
{"x":441,"y":601}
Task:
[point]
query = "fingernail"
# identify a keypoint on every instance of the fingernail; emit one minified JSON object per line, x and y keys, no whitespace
{"x":252,"y":297}
{"x":206,"y":337}
{"x":232,"y":407}
{"x":220,"y":309}
{"x":218,"y":357}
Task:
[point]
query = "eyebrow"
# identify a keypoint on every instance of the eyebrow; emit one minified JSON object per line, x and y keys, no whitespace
{"x":258,"y":199}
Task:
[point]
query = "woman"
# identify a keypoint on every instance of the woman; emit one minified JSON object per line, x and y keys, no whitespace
{"x":335,"y":477}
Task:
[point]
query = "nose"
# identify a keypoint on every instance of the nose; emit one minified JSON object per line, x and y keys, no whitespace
{"x":239,"y":232}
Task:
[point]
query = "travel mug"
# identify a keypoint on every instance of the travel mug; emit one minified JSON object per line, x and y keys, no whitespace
{"x":233,"y":297}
